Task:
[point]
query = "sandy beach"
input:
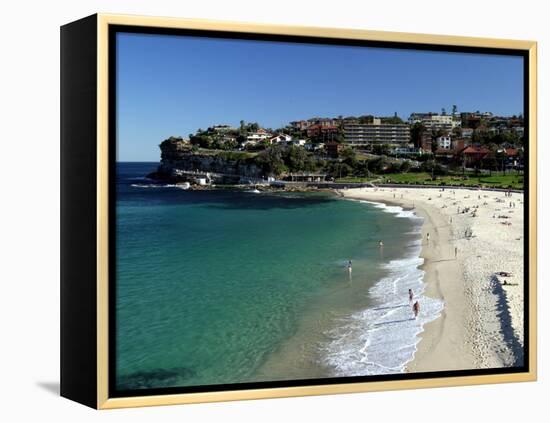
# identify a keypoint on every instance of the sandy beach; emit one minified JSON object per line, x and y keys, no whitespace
{"x":481,"y":325}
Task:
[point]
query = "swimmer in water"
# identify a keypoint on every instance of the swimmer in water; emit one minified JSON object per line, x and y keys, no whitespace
{"x":416,"y":309}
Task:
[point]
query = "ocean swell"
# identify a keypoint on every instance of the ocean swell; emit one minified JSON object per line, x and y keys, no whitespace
{"x":383,"y":338}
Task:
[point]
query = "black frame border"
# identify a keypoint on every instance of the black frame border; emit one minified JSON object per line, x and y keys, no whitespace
{"x":113,"y":30}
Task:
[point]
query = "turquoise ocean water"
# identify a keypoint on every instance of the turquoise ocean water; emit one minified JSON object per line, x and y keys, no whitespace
{"x":217,"y":287}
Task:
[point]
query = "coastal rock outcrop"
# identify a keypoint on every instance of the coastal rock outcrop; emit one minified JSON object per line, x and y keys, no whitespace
{"x":181,"y":162}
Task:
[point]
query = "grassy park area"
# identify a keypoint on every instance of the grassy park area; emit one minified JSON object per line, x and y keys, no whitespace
{"x":508,"y":180}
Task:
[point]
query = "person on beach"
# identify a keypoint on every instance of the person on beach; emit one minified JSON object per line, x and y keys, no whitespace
{"x":416,"y":309}
{"x":411,"y":295}
{"x":456,"y":252}
{"x":428,"y":237}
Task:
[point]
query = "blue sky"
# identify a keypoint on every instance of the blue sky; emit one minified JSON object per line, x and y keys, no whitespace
{"x":173,"y":85}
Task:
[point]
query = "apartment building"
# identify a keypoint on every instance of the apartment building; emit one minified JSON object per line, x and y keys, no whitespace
{"x":376,"y":133}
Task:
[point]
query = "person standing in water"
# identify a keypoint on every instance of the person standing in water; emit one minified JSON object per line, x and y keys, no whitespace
{"x":380,"y":243}
{"x":416,"y":309}
{"x":349,"y":266}
{"x":411,"y":295}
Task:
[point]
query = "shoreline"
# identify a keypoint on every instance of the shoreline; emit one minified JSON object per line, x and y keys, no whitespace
{"x":472,"y":330}
{"x":335,"y":336}
{"x":433,"y":350}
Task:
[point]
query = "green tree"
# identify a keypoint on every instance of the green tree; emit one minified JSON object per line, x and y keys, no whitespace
{"x":253,"y":127}
{"x":378,"y":165}
{"x":272,"y":161}
{"x":393,"y":120}
{"x":381,"y":149}
{"x":349,"y":156}
{"x":339,"y":170}
{"x":362,"y":168}
{"x":365,"y":119}
{"x":417,"y":132}
{"x":296,"y":159}
{"x":203,"y":141}
{"x":405,"y":166}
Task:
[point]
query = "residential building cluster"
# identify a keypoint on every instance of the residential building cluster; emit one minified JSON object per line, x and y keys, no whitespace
{"x":441,"y":133}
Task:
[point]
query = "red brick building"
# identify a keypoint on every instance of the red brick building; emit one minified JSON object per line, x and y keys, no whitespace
{"x":322,"y":131}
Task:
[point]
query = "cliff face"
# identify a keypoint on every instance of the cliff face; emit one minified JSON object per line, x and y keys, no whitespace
{"x":178,"y":159}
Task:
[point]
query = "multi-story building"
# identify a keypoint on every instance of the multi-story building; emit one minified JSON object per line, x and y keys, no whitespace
{"x":304,"y":125}
{"x":300,"y":125}
{"x":322,"y":131}
{"x":376,"y":133}
{"x":444,"y":142}
{"x":323,"y":122}
{"x":435,"y":121}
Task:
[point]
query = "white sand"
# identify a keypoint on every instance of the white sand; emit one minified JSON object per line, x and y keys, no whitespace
{"x":482,"y":324}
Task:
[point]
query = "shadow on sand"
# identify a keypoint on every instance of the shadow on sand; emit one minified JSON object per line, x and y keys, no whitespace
{"x":503,"y":312}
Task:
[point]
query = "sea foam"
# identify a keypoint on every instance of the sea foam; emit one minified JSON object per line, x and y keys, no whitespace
{"x":156,"y":185}
{"x":383,"y":338}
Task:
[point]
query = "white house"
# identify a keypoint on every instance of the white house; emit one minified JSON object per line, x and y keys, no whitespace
{"x":280,"y":138}
{"x":255,"y":137}
{"x":299,"y":143}
{"x":444,"y":142}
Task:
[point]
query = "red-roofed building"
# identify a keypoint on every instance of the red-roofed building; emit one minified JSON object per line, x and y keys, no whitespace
{"x":321,"y":130}
{"x":511,"y":152}
{"x":473,"y":154}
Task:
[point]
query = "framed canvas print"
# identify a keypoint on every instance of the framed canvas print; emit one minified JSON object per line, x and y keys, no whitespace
{"x":255,"y":211}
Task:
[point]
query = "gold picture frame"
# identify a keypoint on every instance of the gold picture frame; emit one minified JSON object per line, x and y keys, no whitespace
{"x":98,"y":27}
